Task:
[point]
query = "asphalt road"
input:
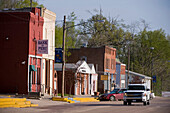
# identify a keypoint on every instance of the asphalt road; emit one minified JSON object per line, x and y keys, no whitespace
{"x":157,"y":105}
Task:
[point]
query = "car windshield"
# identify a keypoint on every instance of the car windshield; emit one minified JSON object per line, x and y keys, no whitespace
{"x":136,"y":88}
{"x":114,"y":91}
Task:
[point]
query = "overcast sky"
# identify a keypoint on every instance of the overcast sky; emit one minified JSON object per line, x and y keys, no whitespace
{"x":155,"y":12}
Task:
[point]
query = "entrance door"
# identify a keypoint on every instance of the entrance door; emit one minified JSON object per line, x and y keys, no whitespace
{"x":33,"y":81}
{"x":47,"y":77}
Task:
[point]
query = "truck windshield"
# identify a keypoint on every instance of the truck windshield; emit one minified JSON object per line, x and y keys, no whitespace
{"x":136,"y":88}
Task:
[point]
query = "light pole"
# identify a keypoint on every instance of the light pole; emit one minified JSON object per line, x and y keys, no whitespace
{"x":128,"y":65}
{"x":63,"y":48}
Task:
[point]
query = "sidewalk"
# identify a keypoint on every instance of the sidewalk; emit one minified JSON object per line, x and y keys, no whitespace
{"x":47,"y":99}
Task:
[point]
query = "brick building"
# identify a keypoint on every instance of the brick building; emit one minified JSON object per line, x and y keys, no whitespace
{"x":20,"y":64}
{"x":120,"y":74}
{"x":104,"y":60}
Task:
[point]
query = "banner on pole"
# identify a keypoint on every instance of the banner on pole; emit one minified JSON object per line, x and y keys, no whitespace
{"x":58,"y":55}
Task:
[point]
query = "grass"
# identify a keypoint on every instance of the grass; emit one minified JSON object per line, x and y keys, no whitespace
{"x":59,"y":94}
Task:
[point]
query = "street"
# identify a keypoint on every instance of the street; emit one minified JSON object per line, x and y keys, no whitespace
{"x":157,"y":105}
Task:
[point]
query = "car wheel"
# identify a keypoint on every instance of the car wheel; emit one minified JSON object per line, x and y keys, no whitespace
{"x":124,"y":103}
{"x":144,"y":103}
{"x":148,"y":102}
{"x":112,"y":98}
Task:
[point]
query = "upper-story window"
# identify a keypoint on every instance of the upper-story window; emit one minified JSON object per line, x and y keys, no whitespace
{"x":112,"y":63}
{"x":84,"y":58}
{"x":39,"y":36}
{"x":107,"y":63}
{"x":108,"y":51}
{"x":37,"y":13}
{"x":45,"y":33}
{"x":113,"y":52}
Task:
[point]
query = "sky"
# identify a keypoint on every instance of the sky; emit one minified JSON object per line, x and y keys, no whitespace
{"x":155,"y":12}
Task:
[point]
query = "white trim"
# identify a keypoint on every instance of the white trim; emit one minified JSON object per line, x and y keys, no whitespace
{"x":75,"y":85}
{"x":35,"y":56}
{"x":28,"y":74}
{"x":138,"y":74}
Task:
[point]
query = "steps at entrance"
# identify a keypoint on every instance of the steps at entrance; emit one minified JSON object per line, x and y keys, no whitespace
{"x":15,"y":102}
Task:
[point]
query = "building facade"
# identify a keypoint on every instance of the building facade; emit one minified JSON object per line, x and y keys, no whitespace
{"x":120,"y":74}
{"x":104,"y":60}
{"x":21,"y":65}
{"x":137,"y":78}
{"x":80,"y":78}
{"x":48,"y":59}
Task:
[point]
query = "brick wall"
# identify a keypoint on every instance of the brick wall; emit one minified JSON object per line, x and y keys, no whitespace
{"x":99,"y":56}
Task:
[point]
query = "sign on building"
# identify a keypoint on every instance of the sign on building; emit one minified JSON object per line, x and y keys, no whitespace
{"x":58,"y":55}
{"x":104,"y":77}
{"x":42,"y":46}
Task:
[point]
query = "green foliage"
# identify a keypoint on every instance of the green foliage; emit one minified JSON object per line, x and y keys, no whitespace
{"x":18,"y":4}
{"x":70,"y":39}
{"x":71,"y":31}
{"x":116,"y":34}
{"x":7,"y":4}
{"x":26,"y":3}
{"x":58,"y":36}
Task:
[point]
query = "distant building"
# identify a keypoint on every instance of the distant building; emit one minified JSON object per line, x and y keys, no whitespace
{"x":137,"y":78}
{"x":120,"y":74}
{"x":80,"y":78}
{"x":104,"y":60}
{"x":20,"y":64}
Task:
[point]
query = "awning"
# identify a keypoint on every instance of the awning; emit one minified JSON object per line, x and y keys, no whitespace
{"x":32,"y":68}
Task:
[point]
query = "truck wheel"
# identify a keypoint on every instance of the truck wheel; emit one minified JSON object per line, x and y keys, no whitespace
{"x":112,"y":98}
{"x":144,"y":103}
{"x":129,"y":103}
{"x":148,"y":102}
{"x":124,"y":103}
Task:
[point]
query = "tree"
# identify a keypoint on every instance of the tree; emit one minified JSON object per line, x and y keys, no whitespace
{"x":115,"y":33}
{"x":18,"y":4}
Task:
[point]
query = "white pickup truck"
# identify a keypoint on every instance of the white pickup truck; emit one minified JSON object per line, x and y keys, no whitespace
{"x":137,"y":93}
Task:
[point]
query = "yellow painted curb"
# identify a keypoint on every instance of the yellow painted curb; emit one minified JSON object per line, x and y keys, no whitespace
{"x":34,"y":105}
{"x":15,"y":102}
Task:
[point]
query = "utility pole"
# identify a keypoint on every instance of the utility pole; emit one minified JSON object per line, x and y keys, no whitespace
{"x":63,"y":50}
{"x":152,"y":48}
{"x":31,"y":4}
{"x":128,"y":63}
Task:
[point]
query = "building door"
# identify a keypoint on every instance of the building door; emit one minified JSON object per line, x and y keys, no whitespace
{"x":33,"y":81}
{"x":32,"y":78}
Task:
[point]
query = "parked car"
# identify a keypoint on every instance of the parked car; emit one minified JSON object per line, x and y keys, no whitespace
{"x":116,"y":94}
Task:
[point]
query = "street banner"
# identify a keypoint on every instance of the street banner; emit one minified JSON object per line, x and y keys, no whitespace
{"x":42,"y":46}
{"x":58,"y":55}
{"x":154,"y":79}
